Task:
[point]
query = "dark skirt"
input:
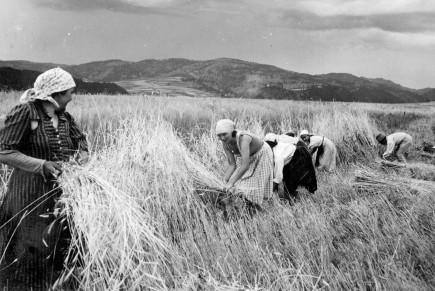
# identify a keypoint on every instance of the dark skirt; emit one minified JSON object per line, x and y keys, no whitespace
{"x":33,"y":242}
{"x":299,"y":172}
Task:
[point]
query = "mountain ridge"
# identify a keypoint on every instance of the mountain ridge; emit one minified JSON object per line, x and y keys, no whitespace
{"x":227,"y":77}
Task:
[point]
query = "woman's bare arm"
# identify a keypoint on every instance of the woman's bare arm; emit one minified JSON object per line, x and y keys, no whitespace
{"x":245,"y":152}
{"x":231,"y":166}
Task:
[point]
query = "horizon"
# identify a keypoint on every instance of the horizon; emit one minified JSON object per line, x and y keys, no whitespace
{"x":212,"y":60}
{"x":370,"y":39}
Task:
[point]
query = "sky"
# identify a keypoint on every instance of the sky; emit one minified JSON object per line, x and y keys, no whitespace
{"x":390,"y":39}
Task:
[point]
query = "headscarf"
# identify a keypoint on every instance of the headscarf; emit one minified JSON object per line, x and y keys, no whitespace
{"x":225,"y":125}
{"x":49,"y":82}
{"x":304,"y":132}
{"x":270,"y":137}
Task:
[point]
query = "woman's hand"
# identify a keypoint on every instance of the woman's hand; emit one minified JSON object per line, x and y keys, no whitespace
{"x":51,"y":169}
{"x":275,"y":187}
{"x":228,"y":186}
{"x":79,"y":159}
{"x":82,"y":158}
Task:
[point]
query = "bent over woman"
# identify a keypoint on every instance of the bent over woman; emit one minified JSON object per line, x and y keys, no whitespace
{"x":326,"y":151}
{"x":293,"y":166}
{"x":250,"y":162}
{"x":398,"y":144}
{"x":37,"y":135}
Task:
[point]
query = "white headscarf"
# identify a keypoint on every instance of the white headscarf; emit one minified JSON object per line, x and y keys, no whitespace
{"x":49,"y":82}
{"x":304,"y":132}
{"x":225,"y":125}
{"x":270,"y":137}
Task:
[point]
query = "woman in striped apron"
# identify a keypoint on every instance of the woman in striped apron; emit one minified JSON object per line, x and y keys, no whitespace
{"x":36,"y":136}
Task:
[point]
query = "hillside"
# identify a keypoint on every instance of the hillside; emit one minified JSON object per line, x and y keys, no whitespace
{"x":241,"y":79}
{"x":428,"y":93}
{"x":15,"y":79}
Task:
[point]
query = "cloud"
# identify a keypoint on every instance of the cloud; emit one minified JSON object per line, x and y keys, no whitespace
{"x":354,"y":7}
{"x":378,"y":39}
{"x":395,"y":16}
{"x":399,"y":22}
{"x":179,"y":8}
{"x":138,"y":7}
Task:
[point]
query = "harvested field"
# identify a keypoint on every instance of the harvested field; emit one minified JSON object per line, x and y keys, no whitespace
{"x":169,"y":86}
{"x":140,"y":223}
{"x":416,"y":170}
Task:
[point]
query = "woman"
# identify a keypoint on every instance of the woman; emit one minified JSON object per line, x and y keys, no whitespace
{"x":37,"y":135}
{"x":282,"y":155}
{"x":293,"y":166}
{"x":326,"y":151}
{"x":397,"y":143}
{"x":250,"y":162}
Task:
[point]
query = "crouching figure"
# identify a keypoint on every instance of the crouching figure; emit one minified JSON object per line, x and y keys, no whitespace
{"x":397,"y":143}
{"x":293,"y":166}
{"x":326,"y":157}
{"x":250,"y":163}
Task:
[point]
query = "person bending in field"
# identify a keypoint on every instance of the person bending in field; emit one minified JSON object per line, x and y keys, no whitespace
{"x":326,"y":151}
{"x":289,"y":137}
{"x":250,"y":163}
{"x":37,"y":136}
{"x":397,"y":143}
{"x":293,"y":166}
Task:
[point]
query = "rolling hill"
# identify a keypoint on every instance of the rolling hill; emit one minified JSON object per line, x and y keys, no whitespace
{"x":241,"y":79}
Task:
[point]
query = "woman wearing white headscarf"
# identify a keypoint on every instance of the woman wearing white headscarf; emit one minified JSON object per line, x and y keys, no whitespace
{"x":37,"y":135}
{"x":250,"y":162}
{"x":326,"y":157}
{"x":293,"y":166}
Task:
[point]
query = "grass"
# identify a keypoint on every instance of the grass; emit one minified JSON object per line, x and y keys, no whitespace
{"x":151,"y":157}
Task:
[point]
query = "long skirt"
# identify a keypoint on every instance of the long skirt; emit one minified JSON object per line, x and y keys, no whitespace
{"x":257,"y":183}
{"x":299,"y":172}
{"x":33,"y":241}
{"x":328,"y":159}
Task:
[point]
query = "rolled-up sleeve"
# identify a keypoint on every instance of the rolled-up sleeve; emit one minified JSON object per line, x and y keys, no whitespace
{"x":279,"y":165}
{"x":19,"y":160}
{"x":77,"y":136}
{"x":390,"y":147}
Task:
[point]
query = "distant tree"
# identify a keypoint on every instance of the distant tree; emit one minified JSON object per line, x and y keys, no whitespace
{"x":275,"y":92}
{"x":19,"y":80}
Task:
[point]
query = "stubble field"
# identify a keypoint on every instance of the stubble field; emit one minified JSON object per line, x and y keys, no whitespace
{"x":140,"y":220}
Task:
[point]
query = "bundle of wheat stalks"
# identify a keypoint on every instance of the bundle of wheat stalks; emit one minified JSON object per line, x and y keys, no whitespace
{"x":114,"y":242}
{"x":375,"y":182}
{"x":416,"y":170}
{"x":117,"y":203}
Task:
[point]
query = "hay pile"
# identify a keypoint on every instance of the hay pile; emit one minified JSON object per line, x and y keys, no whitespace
{"x":114,"y":242}
{"x":118,"y":206}
{"x":368,"y":180}
{"x":419,"y":171}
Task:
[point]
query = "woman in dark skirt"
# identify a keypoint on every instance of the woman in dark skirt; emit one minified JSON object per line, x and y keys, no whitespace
{"x":299,"y":172}
{"x":293,"y":165}
{"x":36,"y":136}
